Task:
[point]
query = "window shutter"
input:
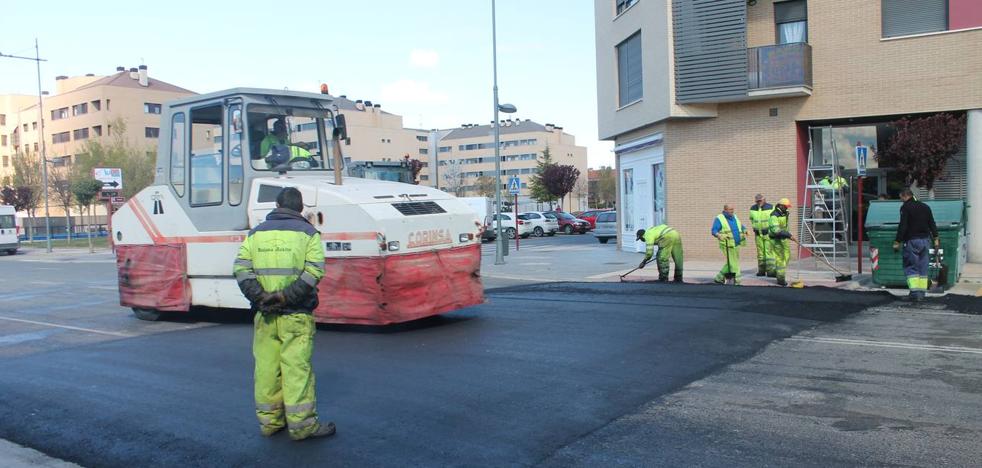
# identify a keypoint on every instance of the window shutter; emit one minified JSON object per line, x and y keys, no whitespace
{"x":906,"y":17}
{"x":787,"y":12}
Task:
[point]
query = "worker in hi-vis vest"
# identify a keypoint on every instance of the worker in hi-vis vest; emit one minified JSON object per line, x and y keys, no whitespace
{"x":278,"y":267}
{"x":731,"y":235}
{"x":780,"y":244}
{"x":760,"y":216}
{"x":669,"y":243}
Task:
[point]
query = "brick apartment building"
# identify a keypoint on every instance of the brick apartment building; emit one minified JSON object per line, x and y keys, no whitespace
{"x":711,"y":102}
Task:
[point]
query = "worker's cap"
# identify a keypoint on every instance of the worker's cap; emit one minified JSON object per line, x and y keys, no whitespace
{"x":758,"y":197}
{"x":785,"y":202}
{"x":640,"y":234}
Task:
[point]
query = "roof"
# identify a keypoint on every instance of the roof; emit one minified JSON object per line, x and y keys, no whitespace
{"x":123,"y":80}
{"x":522,"y":126}
{"x":344,"y":103}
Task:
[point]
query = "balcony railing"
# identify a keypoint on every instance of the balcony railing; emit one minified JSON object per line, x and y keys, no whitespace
{"x":779,"y":66}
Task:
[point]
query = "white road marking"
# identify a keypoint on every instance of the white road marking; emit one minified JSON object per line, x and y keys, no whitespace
{"x":24,"y":337}
{"x":888,"y":344}
{"x":68,"y":327}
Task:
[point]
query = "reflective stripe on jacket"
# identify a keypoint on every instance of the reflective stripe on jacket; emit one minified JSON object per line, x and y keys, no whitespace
{"x":729,"y":238}
{"x":284,"y":253}
{"x":760,"y":217}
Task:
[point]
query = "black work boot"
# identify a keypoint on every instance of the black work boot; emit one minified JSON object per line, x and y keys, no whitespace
{"x":761,"y":272}
{"x":323,"y":430}
{"x":662,"y":279}
{"x":781,"y":282}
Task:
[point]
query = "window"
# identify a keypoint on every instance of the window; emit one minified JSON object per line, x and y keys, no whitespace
{"x":25,"y":127}
{"x":622,"y":5}
{"x":34,"y":125}
{"x":177,"y":153}
{"x":906,"y":17}
{"x":80,"y":109}
{"x":81,"y":134}
{"x":424,"y":177}
{"x":791,"y":22}
{"x":422,"y":138}
{"x":35,"y":146}
{"x":151,"y":132}
{"x":629,"y":70}
{"x":151,"y":108}
{"x":236,"y":176}
{"x":3,"y":140}
{"x":6,"y":161}
{"x":207,"y":156}
{"x":107,"y":104}
{"x":444,"y":149}
{"x":96,"y":105}
{"x":56,"y":114}
{"x":62,"y":137}
{"x":97,"y":130}
{"x":424,"y":151}
{"x":3,"y":119}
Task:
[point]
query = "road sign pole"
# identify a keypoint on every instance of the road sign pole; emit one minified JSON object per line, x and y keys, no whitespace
{"x":516,"y":224}
{"x":859,"y":251}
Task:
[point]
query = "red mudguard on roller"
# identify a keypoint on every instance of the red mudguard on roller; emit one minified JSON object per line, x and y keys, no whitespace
{"x":399,"y":288}
{"x":154,"y":277}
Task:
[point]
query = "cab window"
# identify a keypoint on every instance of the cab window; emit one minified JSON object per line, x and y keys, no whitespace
{"x":177,"y":140}
{"x":207,"y":156}
{"x":289,"y":139}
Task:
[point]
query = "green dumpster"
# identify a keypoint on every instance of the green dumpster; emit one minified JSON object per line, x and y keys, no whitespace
{"x":881,"y":225}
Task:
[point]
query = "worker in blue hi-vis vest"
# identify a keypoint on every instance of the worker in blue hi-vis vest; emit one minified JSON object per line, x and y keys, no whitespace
{"x":731,"y":234}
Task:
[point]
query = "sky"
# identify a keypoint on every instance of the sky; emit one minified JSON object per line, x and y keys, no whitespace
{"x":427,"y":60}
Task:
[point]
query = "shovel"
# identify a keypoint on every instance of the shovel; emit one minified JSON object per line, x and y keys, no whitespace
{"x":637,"y":268}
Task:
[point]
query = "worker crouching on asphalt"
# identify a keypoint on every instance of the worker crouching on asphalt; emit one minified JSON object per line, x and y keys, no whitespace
{"x":731,"y":235}
{"x":278,"y":267}
{"x":780,"y":239}
{"x":669,"y":243}
{"x":760,"y":216}
{"x":915,"y":232}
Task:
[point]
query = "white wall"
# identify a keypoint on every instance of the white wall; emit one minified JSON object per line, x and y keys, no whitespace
{"x":974,"y":160}
{"x":637,"y":209}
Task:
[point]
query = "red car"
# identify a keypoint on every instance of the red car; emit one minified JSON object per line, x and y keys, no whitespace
{"x":590,"y":216}
{"x":569,"y":224}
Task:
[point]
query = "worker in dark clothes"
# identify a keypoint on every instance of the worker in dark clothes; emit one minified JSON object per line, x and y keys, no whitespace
{"x":915,"y":233}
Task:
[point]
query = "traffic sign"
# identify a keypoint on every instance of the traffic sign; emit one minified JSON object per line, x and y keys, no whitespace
{"x":862,"y":154}
{"x":108,"y":194}
{"x":111,"y":177}
{"x":119,"y":200}
{"x":514,"y":185}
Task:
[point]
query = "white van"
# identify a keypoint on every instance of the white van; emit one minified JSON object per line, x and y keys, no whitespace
{"x":482,"y":206}
{"x":8,"y":230}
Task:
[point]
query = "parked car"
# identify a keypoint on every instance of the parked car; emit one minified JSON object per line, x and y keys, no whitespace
{"x":570,"y":224}
{"x":482,"y":207}
{"x":543,"y":224}
{"x":508,"y":226}
{"x":606,"y":226}
{"x":590,"y":216}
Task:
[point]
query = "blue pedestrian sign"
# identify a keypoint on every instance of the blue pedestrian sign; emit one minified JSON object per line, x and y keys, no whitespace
{"x":514,"y":186}
{"x":862,"y":154}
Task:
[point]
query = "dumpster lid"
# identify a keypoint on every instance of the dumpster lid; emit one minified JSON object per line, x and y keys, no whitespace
{"x":886,"y":213}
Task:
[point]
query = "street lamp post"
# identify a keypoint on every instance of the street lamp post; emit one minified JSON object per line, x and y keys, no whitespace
{"x":499,"y":257}
{"x":44,"y":157}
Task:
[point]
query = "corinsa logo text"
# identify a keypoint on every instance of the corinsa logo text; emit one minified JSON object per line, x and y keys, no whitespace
{"x":429,"y":237}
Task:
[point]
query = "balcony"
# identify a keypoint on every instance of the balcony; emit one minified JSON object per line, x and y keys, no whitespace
{"x":783,"y":70}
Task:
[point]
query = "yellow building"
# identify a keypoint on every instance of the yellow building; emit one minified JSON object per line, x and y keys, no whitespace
{"x":466,"y":153}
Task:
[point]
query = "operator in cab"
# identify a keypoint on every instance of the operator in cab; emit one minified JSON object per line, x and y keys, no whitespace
{"x":277,"y":148}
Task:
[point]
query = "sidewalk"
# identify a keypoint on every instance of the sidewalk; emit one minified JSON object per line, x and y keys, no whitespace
{"x":16,"y":456}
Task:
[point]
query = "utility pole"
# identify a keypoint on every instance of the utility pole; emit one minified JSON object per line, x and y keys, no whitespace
{"x":499,"y":258}
{"x":44,"y":157}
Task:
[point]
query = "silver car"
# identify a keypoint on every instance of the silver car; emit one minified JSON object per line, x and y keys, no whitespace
{"x":606,"y":226}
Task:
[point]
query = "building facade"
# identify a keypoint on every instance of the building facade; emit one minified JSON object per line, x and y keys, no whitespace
{"x":712,"y":102}
{"x":465,"y":154}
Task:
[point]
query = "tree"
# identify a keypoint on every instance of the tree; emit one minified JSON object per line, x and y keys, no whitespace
{"x":537,"y":187}
{"x":606,"y":193}
{"x":560,"y":179}
{"x":921,"y":148}
{"x":138,"y":164}
{"x":28,"y":180}
{"x":453,"y":177}
{"x":85,"y":191}
{"x":485,"y":186}
{"x":17,"y":197}
{"x":581,"y":190}
{"x":415,"y":166}
{"x":60,"y":184}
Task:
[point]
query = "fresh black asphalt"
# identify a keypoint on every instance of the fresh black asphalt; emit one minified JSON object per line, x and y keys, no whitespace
{"x":511,"y":382}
